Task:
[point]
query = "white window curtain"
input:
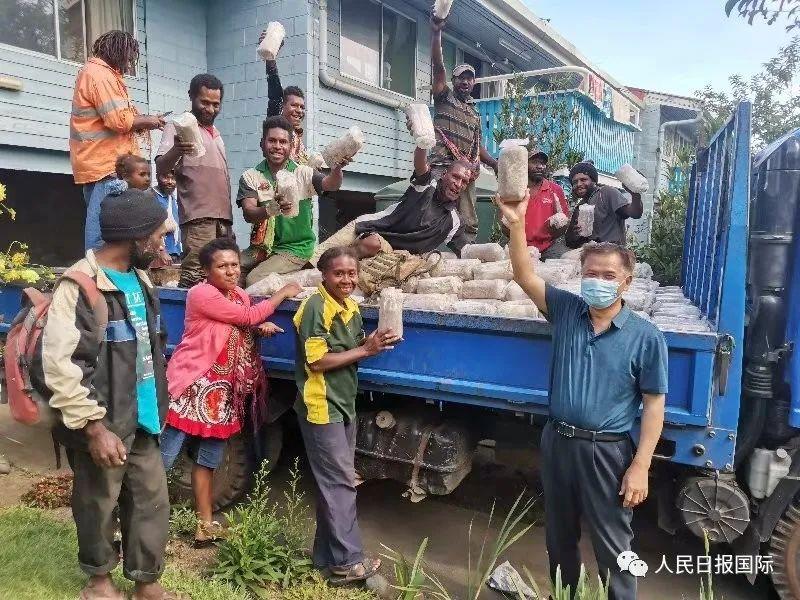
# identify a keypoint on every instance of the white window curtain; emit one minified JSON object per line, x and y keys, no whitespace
{"x":105,"y":15}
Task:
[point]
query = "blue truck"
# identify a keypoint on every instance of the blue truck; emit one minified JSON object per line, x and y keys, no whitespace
{"x":458,"y":379}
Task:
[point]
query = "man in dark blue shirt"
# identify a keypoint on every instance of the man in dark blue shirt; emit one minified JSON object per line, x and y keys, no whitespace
{"x":606,"y":362}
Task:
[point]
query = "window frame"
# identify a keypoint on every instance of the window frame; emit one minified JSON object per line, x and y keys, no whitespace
{"x":383,"y":6}
{"x":86,"y":47}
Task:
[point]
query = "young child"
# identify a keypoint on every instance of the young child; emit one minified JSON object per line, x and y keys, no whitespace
{"x":133,"y":170}
{"x":166,"y":195}
{"x":330,"y":343}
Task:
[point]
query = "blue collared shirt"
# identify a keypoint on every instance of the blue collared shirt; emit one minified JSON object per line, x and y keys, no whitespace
{"x":172,"y":241}
{"x":597,"y":381}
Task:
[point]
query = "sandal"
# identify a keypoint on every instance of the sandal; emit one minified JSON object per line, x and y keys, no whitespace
{"x":208,"y":533}
{"x":357,"y":572}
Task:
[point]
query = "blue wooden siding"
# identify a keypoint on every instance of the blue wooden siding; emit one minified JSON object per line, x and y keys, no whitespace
{"x":38,"y":116}
{"x":608,"y":143}
{"x":389,"y":149}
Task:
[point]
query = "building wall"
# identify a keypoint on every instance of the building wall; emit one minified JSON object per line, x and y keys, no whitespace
{"x":233,"y":30}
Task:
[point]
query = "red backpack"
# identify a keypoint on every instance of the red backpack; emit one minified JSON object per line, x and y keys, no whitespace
{"x":28,"y":404}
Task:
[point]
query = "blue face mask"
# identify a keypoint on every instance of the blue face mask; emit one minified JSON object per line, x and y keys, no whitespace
{"x":599,"y":293}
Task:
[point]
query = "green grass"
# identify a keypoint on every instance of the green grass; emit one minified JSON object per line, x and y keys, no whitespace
{"x":38,"y":561}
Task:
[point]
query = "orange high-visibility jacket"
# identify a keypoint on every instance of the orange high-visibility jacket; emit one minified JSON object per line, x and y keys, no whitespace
{"x":101,"y":122}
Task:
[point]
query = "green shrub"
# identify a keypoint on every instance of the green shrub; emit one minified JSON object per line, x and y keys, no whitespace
{"x":262,"y":545}
{"x":182,"y":520}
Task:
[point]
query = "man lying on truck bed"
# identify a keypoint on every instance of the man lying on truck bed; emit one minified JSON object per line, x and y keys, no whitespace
{"x":606,"y":362}
{"x":425,"y":217}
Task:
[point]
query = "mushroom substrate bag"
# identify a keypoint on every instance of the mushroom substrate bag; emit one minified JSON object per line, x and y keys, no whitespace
{"x":632,"y":179}
{"x":288,"y":188}
{"x":461,"y":268}
{"x":430,"y":302}
{"x":494,"y":270}
{"x":441,"y":8}
{"x":422,"y":130}
{"x":345,"y":148}
{"x":585,"y":220}
{"x":390,"y":310}
{"x":187,"y":129}
{"x":269,"y":46}
{"x":484,"y":288}
{"x":440,"y":285}
{"x":484,"y":252}
{"x":512,"y":174}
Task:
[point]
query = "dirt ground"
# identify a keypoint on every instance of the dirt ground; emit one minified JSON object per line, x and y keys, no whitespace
{"x":388,"y":518}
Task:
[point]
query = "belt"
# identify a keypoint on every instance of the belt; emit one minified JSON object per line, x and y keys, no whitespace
{"x":570,"y":431}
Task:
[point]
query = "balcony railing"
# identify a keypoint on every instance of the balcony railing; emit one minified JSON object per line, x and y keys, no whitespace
{"x":607,"y":141}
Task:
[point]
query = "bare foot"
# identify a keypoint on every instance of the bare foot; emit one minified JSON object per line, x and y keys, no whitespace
{"x":101,"y":587}
{"x":152,"y":591}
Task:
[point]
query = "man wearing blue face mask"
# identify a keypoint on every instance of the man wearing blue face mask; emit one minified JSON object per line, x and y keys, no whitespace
{"x":606,"y":362}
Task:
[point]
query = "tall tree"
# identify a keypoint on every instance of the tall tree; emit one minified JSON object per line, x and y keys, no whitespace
{"x":776,"y":106}
{"x":769,"y":10}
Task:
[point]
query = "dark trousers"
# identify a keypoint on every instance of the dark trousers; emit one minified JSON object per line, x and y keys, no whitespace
{"x":331,"y":454}
{"x":196,"y":234}
{"x":140,"y":489}
{"x":583,"y":478}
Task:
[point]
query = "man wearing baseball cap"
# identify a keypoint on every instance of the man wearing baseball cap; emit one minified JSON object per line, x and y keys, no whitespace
{"x":458,"y":127}
{"x":104,"y":369}
{"x":543,"y":228}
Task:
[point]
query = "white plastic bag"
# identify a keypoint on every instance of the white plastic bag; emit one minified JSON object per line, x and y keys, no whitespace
{"x":494,"y":270}
{"x":439,"y":285}
{"x":461,"y":268}
{"x":419,"y":114}
{"x":484,"y":252}
{"x":187,"y":129}
{"x":269,"y":46}
{"x":518,"y":310}
{"x":514,"y":292}
{"x":267,"y":286}
{"x":474,"y":307}
{"x":512,"y":174}
{"x":441,"y":8}
{"x":558,"y":220}
{"x":288,"y":188}
{"x":390,"y":310}
{"x":430,"y":302}
{"x":632,"y":179}
{"x":315,"y":160}
{"x":305,"y":278}
{"x":484,"y":288}
{"x":585,"y":220}
{"x":643,"y":270}
{"x":345,"y":148}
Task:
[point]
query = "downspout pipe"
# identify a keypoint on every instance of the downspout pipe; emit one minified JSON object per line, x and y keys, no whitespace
{"x":340,"y":84}
{"x":659,"y":150}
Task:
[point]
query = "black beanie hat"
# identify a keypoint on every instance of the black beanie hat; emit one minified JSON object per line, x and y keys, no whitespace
{"x":587,"y":168}
{"x":131,"y":215}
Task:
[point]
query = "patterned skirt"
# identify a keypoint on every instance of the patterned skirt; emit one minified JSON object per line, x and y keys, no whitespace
{"x":214,"y":405}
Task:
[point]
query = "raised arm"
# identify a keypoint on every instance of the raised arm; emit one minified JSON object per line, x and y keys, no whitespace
{"x":421,"y":165}
{"x":437,"y":60}
{"x":274,"y":87}
{"x":333,"y":180}
{"x":521,"y":263}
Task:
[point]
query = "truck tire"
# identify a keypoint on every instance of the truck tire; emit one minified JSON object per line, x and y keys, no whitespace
{"x":234,"y":477}
{"x":784,"y":548}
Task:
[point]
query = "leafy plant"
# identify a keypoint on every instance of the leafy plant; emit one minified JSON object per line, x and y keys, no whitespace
{"x":776,"y":109}
{"x":542,"y":113}
{"x":664,"y":251}
{"x":182,"y":520}
{"x":263,"y":546}
{"x":415,"y":581}
{"x":15,"y":267}
{"x":769,"y":10}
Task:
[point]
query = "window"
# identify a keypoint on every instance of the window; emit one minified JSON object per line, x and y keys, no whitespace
{"x":378,"y":46}
{"x":64,"y":29}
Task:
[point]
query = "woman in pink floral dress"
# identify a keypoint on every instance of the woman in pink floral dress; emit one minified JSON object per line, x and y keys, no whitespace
{"x":215,"y":374}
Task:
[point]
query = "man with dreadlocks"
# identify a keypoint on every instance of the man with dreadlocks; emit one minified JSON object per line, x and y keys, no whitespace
{"x":103,"y":123}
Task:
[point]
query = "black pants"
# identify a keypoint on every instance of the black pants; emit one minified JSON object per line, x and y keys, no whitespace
{"x":331,"y":454}
{"x":140,"y":489}
{"x":583,"y":478}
